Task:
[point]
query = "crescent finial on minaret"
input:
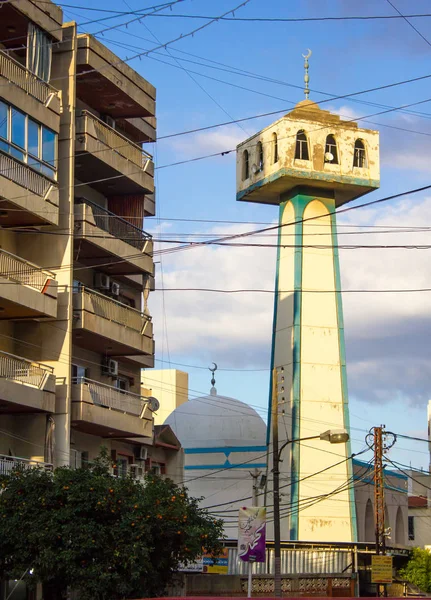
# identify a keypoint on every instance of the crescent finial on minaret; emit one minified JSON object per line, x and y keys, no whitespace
{"x":213,"y":369}
{"x":306,"y":76}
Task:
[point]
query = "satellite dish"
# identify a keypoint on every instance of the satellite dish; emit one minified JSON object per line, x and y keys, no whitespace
{"x":153,"y":403}
{"x":254,"y":169}
{"x":329,"y":157}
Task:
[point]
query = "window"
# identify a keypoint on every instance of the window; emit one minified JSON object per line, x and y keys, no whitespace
{"x":245,"y":165}
{"x":274,"y":148}
{"x":411,"y":528}
{"x":259,"y":156}
{"x":359,"y":156}
{"x":331,"y":152}
{"x":79,"y":373}
{"x":27,"y":140}
{"x":122,"y":383}
{"x":301,"y":150}
{"x":39,"y":52}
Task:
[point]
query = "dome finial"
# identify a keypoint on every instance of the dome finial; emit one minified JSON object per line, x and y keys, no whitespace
{"x":306,"y":76}
{"x":213,"y":390}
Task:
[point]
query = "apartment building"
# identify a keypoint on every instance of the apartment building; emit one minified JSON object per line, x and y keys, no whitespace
{"x":76,"y":265}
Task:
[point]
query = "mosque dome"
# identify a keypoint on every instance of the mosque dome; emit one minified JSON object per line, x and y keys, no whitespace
{"x":217,"y":421}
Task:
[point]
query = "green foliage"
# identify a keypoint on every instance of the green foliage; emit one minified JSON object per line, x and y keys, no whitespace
{"x":104,"y":537}
{"x":418,"y":569}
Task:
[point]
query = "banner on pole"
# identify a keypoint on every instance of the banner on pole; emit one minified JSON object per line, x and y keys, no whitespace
{"x":252,"y":534}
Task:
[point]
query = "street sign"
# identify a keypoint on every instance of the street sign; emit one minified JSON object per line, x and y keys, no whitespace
{"x":381,"y":569}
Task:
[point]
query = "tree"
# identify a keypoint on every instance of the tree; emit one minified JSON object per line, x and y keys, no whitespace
{"x":418,"y":569}
{"x":102,"y":536}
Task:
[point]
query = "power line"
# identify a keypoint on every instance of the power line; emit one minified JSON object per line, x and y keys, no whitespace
{"x":408,"y":22}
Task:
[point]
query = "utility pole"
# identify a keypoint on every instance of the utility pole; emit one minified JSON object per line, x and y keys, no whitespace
{"x":379,"y":491}
{"x":380,"y":441}
{"x":276,"y":485}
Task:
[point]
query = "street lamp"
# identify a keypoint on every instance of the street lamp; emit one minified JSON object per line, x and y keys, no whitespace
{"x":333,"y":436}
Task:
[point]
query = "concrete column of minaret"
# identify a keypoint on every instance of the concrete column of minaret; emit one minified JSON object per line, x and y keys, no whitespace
{"x":309,"y":163}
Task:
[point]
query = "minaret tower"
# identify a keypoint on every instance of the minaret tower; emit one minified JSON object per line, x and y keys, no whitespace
{"x":309,"y":163}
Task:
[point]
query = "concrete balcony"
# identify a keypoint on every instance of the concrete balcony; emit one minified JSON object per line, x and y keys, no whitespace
{"x":26,"y":196}
{"x":25,"y":90}
{"x":109,"y":85}
{"x":13,"y":463}
{"x":26,"y":290}
{"x":25,"y":386}
{"x":103,"y":152}
{"x":106,"y":411}
{"x":103,"y":238}
{"x":104,"y":325}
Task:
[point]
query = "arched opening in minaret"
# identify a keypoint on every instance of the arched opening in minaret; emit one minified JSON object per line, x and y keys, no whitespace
{"x":274,"y":148}
{"x":369,"y":522}
{"x":259,"y":156}
{"x":301,"y":150}
{"x":331,"y":151}
{"x":245,"y":165}
{"x":359,"y":156}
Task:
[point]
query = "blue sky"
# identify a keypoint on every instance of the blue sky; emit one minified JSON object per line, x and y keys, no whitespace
{"x":387,"y":335}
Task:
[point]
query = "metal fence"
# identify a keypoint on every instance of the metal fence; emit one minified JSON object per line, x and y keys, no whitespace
{"x":21,"y":174}
{"x":115,"y":311}
{"x":112,"y":397}
{"x":116,"y":140}
{"x":117,"y":226}
{"x":17,"y":269}
{"x":23,"y":371}
{"x":10,"y":463}
{"x":296,"y":561}
{"x":16,"y":73}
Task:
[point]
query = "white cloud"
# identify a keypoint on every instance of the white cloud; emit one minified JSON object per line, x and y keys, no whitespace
{"x":208,"y":142}
{"x":387,"y":334}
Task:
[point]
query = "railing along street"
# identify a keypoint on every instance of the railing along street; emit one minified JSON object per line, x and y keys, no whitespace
{"x":112,"y":397}
{"x":16,"y":73}
{"x":17,"y":269}
{"x":116,"y":140}
{"x":23,"y":175}
{"x":115,"y":311}
{"x":117,"y":226}
{"x":9,"y":463}
{"x":22,"y":370}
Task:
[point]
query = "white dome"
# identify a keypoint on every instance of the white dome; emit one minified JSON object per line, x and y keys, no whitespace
{"x":214,"y":421}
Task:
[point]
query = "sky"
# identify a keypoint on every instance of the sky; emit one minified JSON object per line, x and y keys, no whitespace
{"x":387,"y":334}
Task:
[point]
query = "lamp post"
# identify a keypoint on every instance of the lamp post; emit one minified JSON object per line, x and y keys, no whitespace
{"x":333,"y":436}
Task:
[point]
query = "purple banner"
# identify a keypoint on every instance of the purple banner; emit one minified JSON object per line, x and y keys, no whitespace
{"x":252,"y":534}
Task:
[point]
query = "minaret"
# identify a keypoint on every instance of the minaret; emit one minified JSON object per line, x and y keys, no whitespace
{"x":309,"y":163}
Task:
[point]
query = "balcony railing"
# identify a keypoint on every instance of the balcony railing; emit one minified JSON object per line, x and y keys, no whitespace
{"x":17,"y":269}
{"x":21,"y":370}
{"x":14,"y":72}
{"x":114,"y":311}
{"x":111,"y":397}
{"x":10,"y":463}
{"x":116,"y":226}
{"x":116,"y":140}
{"x":23,"y":175}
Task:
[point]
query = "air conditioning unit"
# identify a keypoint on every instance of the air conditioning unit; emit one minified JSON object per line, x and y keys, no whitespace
{"x":141,"y":453}
{"x":102,"y":281}
{"x":110,"y":367}
{"x":115,"y":288}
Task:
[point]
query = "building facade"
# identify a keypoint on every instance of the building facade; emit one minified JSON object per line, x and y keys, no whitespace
{"x":76,"y":265}
{"x":169,"y":386}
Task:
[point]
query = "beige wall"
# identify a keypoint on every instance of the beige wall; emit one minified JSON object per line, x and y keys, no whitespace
{"x":169,"y":386}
